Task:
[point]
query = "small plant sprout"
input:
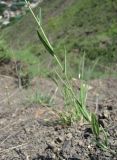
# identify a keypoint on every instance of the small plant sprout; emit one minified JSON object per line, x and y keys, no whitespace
{"x":75,"y":103}
{"x":42,"y":99}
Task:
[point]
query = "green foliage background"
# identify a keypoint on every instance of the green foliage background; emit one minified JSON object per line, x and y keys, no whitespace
{"x":88,"y":26}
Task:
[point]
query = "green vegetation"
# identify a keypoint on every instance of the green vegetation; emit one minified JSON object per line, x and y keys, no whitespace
{"x":43,"y":100}
{"x":81,"y":26}
{"x":78,"y":109}
{"x":2,"y":8}
{"x":4,"y":52}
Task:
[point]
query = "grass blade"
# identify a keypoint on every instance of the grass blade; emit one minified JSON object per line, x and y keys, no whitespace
{"x":95,"y":125}
{"x":48,"y":48}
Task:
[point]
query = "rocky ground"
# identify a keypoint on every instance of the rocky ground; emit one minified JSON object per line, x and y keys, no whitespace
{"x":29,"y":131}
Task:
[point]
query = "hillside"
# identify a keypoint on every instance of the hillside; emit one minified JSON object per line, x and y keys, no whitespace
{"x":13,"y":10}
{"x":58,"y":97}
{"x":82,"y":26}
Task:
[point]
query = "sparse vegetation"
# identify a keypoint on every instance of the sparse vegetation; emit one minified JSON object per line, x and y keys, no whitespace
{"x":94,"y":34}
{"x":78,"y":108}
{"x":41,"y":99}
{"x":50,"y":105}
{"x":4,"y":52}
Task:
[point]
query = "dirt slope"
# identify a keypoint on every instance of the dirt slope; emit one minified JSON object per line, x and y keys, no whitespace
{"x":29,"y":131}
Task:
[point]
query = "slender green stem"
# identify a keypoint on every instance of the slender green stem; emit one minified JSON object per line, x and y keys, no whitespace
{"x":39,"y":24}
{"x":58,"y":62}
{"x":43,"y":33}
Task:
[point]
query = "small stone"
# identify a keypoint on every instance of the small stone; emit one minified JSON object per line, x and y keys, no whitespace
{"x":56,"y":150}
{"x":60,"y":139}
{"x":81,"y":143}
{"x":69,"y":136}
{"x":51,"y":145}
{"x":115,"y":142}
{"x":89,"y":146}
{"x":106,"y":114}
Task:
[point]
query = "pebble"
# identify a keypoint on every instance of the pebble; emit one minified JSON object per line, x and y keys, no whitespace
{"x":60,"y":139}
{"x":69,"y":136}
{"x":81,"y":143}
{"x":106,"y":113}
{"x":51,"y":145}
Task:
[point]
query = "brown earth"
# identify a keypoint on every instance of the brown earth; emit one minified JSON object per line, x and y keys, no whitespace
{"x":29,"y":131}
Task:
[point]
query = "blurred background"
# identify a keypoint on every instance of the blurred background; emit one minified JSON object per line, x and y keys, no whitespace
{"x":80,"y":26}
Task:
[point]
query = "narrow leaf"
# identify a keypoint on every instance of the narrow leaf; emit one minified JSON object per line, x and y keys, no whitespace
{"x":48,"y":48}
{"x":95,"y":125}
{"x":84,"y":113}
{"x":105,"y":136}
